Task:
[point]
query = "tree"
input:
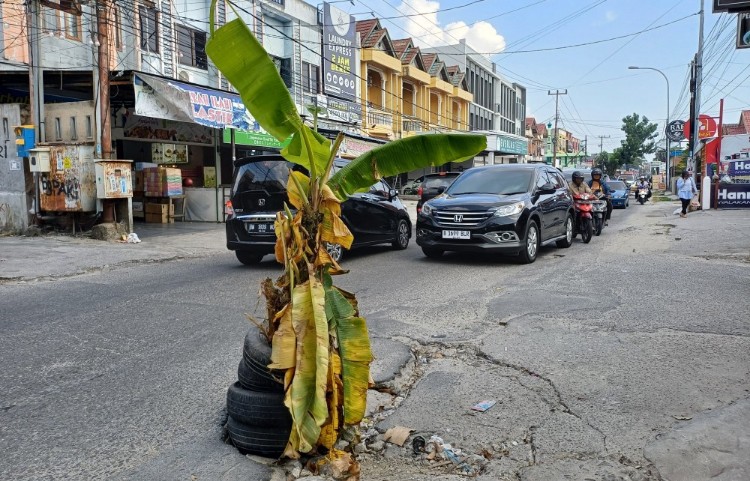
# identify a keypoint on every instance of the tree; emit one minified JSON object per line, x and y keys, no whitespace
{"x":640,"y":138}
{"x":318,"y":338}
{"x":609,"y":162}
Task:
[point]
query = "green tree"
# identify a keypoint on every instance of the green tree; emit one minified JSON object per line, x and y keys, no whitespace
{"x":609,"y":162}
{"x":640,"y":138}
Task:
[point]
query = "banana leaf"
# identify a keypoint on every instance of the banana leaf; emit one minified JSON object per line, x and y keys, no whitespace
{"x":404,"y":155}
{"x":244,"y":62}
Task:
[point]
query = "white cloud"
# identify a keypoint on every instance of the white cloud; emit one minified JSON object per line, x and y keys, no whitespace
{"x":426,"y":30}
{"x":610,"y":16}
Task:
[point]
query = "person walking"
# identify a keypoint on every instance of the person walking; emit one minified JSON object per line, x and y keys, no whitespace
{"x":686,"y":190}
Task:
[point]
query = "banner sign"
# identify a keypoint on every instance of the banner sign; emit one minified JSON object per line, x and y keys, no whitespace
{"x":735,"y":147}
{"x":338,"y":53}
{"x":511,"y":145}
{"x":254,"y":138}
{"x":168,"y":99}
{"x":159,"y":130}
{"x":734,"y":196}
{"x":352,"y":147}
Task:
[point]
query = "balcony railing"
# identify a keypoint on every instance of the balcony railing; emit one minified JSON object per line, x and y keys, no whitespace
{"x":377,"y":117}
{"x":410,"y":124}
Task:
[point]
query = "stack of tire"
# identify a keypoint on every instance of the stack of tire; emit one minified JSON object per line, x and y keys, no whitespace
{"x":258,"y":422}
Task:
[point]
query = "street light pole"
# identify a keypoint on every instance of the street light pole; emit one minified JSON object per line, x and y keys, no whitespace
{"x":666,"y":123}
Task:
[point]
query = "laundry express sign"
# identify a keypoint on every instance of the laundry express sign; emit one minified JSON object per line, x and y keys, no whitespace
{"x":339,"y":35}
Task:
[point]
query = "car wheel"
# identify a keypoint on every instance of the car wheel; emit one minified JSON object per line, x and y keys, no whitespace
{"x":531,"y":245}
{"x":263,"y":441}
{"x":335,"y":251}
{"x":402,"y":236}
{"x":568,"y":241}
{"x":587,"y":231}
{"x":248,"y":258}
{"x":257,"y":408}
{"x":432,"y":253}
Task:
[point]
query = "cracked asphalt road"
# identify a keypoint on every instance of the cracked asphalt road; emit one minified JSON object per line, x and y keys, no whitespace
{"x":592,"y":353}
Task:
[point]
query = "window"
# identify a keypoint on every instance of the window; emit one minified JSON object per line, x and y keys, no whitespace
{"x":117,"y":27}
{"x":149,"y":29}
{"x":310,"y":75}
{"x":58,"y":129}
{"x":542,"y":180}
{"x":50,"y":20}
{"x":89,"y":128}
{"x":191,"y":47}
{"x":73,"y":129}
{"x":72,"y":26}
{"x":284,"y":66}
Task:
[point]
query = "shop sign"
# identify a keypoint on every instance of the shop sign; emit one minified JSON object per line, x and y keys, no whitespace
{"x":734,"y":196}
{"x":510,"y":145}
{"x":735,"y":147}
{"x":352,"y":147}
{"x":159,"y":130}
{"x":254,"y":138}
{"x":706,"y":127}
{"x":344,"y":111}
{"x":338,"y":52}
{"x":676,"y":130}
{"x":168,"y":99}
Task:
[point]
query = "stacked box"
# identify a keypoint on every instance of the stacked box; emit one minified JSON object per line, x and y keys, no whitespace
{"x":159,"y":213}
{"x":162,"y":182}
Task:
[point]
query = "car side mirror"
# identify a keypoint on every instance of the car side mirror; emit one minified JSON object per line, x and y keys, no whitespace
{"x":548,"y":188}
{"x":392,"y":193}
{"x":440,"y":190}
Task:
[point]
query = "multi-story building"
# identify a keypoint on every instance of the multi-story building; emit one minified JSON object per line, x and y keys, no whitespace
{"x":569,"y":149}
{"x":498,"y":108}
{"x":535,"y":133}
{"x":163,"y":86}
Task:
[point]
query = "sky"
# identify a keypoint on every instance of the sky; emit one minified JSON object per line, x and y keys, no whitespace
{"x":601,"y":89}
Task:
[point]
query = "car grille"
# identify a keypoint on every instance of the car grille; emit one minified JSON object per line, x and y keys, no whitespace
{"x":461,"y":218}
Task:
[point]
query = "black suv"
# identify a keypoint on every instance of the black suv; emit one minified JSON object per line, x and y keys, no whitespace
{"x":510,"y":208}
{"x":433,"y":185}
{"x":259,"y":192}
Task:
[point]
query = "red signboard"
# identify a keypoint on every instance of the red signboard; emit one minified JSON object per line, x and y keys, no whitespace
{"x":706,"y":128}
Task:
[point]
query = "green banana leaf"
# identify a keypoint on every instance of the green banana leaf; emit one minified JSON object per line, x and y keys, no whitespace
{"x":404,"y":155}
{"x":356,"y":354}
{"x":244,"y":62}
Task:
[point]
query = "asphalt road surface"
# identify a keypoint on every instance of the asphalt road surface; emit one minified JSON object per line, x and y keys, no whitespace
{"x":594,"y":353}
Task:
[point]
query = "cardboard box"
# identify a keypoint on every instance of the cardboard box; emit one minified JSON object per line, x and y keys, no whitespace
{"x":161,"y":209}
{"x":145,"y":165}
{"x":139,"y":208}
{"x":158,"y":219}
{"x":138,"y":182}
{"x":162,"y":182}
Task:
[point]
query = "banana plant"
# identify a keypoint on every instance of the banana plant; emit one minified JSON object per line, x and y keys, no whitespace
{"x":319,"y":339}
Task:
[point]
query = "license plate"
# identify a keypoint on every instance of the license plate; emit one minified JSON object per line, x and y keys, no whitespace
{"x":456,"y":234}
{"x":255,"y":228}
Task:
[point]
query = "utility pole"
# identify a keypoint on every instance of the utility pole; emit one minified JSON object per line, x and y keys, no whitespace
{"x":102,"y":21}
{"x":696,"y":98}
{"x":601,"y":142}
{"x":557,"y":94}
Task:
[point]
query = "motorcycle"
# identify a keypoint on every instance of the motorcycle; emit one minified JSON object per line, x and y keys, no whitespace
{"x":583,"y":206}
{"x":642,"y":195}
{"x":599,"y":209}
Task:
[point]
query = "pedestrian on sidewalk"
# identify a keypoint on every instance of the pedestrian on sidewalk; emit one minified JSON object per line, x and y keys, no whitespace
{"x":686,"y":190}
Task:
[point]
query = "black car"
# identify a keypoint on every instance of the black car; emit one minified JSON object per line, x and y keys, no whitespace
{"x":510,"y":209}
{"x":259,"y":192}
{"x":433,"y":185}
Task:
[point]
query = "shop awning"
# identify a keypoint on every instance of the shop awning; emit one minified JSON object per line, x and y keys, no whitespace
{"x":169,"y":99}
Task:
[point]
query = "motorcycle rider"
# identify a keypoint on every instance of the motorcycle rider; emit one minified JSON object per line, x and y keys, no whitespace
{"x":578,"y":186}
{"x":643,"y":184}
{"x":598,"y":185}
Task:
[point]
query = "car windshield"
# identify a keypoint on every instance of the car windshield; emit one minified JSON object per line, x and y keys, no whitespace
{"x":615,"y":185}
{"x":438,"y":181}
{"x":492,"y":181}
{"x":265,"y":175}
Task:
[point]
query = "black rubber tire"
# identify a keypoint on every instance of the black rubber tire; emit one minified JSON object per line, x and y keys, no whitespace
{"x":248,"y":258}
{"x":599,"y":225}
{"x":641,"y":200}
{"x":432,"y":253}
{"x":250,"y":378}
{"x":263,"y":441}
{"x":402,"y":236}
{"x":565,"y":243}
{"x":256,"y":356}
{"x":524,"y":256}
{"x":587,"y":231}
{"x":258,"y":408}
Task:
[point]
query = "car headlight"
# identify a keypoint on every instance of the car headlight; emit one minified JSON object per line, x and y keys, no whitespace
{"x":511,"y":209}
{"x":427,"y":209}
